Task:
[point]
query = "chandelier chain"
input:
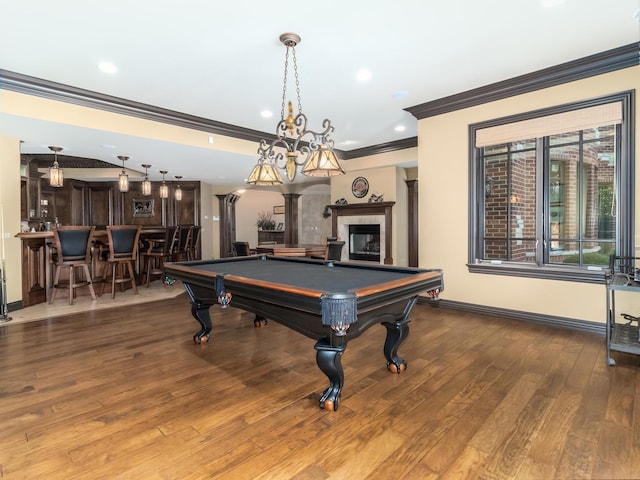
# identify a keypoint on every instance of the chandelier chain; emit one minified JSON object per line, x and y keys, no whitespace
{"x":295,"y":71}
{"x":284,"y":83}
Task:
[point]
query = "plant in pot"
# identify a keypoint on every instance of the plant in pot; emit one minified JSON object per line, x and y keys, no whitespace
{"x":266,"y":221}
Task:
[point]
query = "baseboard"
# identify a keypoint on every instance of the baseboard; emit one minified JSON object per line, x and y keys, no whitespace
{"x":541,"y":319}
{"x":13,"y":306}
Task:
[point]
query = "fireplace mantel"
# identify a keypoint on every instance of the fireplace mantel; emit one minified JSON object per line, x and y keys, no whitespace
{"x":361,"y":209}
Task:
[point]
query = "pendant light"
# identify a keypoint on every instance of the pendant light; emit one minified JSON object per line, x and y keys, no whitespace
{"x":56,"y":175}
{"x":178,"y":193}
{"x":146,"y":183}
{"x":164,"y":189}
{"x":123,"y":178}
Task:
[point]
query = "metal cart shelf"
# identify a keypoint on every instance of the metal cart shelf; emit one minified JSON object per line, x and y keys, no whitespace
{"x":621,"y":277}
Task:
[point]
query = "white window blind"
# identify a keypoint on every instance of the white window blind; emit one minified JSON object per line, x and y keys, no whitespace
{"x":574,"y":120}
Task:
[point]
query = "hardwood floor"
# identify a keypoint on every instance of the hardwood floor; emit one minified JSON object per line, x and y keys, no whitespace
{"x":124,"y":393}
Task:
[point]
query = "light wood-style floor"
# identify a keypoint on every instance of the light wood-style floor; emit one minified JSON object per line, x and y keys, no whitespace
{"x":83,"y":302}
{"x":124,"y":393}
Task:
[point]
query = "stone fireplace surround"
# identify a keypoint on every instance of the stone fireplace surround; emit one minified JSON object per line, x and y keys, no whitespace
{"x":364,"y":213}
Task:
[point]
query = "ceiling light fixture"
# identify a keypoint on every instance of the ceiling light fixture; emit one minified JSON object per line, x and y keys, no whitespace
{"x":164,"y":189}
{"x":146,"y":183}
{"x":363,"y":75}
{"x":311,"y":150}
{"x":123,"y":178}
{"x":178,"y":193}
{"x":56,"y":175}
{"x":107,"y":67}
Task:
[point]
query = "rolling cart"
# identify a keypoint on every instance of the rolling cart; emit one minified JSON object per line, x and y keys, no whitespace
{"x":622,"y":336}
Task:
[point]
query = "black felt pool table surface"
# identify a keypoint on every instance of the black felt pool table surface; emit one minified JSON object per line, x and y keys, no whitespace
{"x":311,"y":275}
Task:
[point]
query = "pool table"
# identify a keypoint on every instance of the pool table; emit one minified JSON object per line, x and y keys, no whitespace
{"x":330,"y":302}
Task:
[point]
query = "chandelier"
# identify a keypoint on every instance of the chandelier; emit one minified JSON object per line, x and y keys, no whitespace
{"x":56,"y":175}
{"x":307,"y":148}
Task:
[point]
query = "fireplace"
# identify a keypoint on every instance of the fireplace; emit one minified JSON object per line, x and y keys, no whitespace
{"x":359,"y":214}
{"x":364,"y":242}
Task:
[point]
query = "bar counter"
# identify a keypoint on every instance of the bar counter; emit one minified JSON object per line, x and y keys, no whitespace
{"x":37,"y":270}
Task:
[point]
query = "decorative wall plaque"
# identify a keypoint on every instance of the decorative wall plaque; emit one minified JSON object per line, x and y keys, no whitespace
{"x":360,"y":187}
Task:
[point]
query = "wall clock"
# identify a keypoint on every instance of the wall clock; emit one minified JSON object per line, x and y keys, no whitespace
{"x":360,"y":187}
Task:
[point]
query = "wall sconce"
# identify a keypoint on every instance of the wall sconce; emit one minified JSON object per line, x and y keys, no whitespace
{"x":123,"y":178}
{"x":164,"y":189}
{"x":56,"y":175}
{"x":178,"y":193}
{"x":146,"y":183}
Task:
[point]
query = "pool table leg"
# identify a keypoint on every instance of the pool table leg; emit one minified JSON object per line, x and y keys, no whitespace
{"x":329,"y":359}
{"x":200,"y":312}
{"x":259,"y":321}
{"x":397,"y":333}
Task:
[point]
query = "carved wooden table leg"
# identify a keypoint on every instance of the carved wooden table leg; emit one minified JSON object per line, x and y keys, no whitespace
{"x":329,"y":359}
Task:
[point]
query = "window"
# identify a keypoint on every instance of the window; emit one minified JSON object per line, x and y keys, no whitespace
{"x":551,"y":192}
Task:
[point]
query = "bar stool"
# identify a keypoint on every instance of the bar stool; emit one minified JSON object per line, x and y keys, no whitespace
{"x":160,"y":249}
{"x":185,"y":240}
{"x":193,"y":251}
{"x":72,"y":250}
{"x":123,"y":251}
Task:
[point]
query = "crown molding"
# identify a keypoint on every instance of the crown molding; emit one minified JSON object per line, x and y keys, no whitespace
{"x":18,"y":82}
{"x":597,"y":64}
{"x":402,"y":144}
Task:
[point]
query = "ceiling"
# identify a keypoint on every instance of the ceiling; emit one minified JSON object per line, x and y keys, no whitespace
{"x":223,"y":61}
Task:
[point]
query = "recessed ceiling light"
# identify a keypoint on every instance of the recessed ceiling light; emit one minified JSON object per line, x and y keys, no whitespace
{"x":210,"y":139}
{"x":400,"y":128}
{"x":363,"y":75}
{"x":107,"y":67}
{"x":108,"y":146}
{"x":349,"y":142}
{"x":399,"y":94}
{"x":266,"y":114}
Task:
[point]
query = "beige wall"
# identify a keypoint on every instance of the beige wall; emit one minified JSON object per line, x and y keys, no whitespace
{"x":382,"y":181}
{"x":10,"y":202}
{"x":443,"y":179}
